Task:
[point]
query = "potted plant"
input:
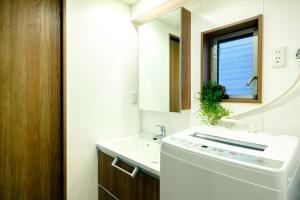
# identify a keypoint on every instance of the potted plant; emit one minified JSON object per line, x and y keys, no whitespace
{"x":209,"y":98}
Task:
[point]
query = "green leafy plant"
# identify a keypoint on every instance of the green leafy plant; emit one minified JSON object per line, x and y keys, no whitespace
{"x":209,"y":98}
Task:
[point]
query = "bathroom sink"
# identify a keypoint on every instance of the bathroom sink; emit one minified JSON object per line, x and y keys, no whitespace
{"x":140,"y":151}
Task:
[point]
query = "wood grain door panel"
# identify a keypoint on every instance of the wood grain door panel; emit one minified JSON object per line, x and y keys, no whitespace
{"x":31,"y":100}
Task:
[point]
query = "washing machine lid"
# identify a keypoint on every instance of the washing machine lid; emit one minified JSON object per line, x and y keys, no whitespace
{"x":265,"y":151}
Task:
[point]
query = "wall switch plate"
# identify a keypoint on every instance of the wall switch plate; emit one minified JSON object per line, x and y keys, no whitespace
{"x":298,"y":57}
{"x":298,"y":62}
{"x":279,"y":57}
{"x":134,"y":97}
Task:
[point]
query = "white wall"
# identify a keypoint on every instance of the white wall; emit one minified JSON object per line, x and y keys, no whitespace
{"x":154,"y":64}
{"x":174,"y":122}
{"x":101,"y":74}
{"x":281,"y":28}
{"x":207,"y":15}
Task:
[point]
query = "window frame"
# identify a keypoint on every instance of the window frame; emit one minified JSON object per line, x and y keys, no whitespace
{"x":214,"y":59}
{"x":205,"y":52}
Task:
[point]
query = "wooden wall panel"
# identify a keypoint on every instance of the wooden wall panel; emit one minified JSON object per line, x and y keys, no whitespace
{"x":185,"y":59}
{"x":64,"y":78}
{"x":31,"y":100}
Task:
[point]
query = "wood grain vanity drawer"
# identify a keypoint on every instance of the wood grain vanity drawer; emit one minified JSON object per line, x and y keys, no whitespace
{"x":121,"y":184}
{"x":102,"y":195}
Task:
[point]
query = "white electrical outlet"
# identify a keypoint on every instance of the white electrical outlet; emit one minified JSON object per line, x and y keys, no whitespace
{"x":279,"y":57}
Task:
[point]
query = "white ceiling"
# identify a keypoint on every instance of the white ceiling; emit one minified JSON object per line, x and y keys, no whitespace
{"x":130,"y":2}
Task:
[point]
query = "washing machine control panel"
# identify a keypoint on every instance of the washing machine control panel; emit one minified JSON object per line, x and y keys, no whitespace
{"x":203,"y":148}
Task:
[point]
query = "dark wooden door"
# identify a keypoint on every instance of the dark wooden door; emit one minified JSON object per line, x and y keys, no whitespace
{"x":174,"y":66}
{"x":31,"y":134}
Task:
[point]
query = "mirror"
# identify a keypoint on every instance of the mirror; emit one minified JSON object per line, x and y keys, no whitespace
{"x":160,"y":63}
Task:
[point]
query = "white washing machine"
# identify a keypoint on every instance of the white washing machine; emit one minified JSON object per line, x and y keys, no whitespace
{"x":214,"y":163}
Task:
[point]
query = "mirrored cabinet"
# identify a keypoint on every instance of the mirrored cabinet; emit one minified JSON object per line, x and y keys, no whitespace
{"x":165,"y":62}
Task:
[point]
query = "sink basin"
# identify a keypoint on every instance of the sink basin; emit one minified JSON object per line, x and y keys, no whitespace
{"x":136,"y":150}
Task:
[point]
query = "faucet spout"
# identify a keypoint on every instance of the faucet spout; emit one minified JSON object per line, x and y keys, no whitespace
{"x":162,"y":133}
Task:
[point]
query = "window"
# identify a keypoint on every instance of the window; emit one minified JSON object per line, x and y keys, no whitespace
{"x":232,"y":56}
{"x":235,"y":63}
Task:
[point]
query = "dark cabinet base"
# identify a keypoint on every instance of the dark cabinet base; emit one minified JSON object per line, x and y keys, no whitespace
{"x":102,"y":195}
{"x":122,"y":185}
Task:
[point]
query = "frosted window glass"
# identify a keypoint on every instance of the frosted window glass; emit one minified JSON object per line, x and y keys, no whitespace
{"x":235,"y":64}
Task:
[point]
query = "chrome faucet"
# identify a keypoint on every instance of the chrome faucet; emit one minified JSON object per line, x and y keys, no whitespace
{"x":162,"y":133}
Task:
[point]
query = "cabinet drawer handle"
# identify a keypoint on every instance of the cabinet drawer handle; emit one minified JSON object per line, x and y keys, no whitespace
{"x":134,"y":172}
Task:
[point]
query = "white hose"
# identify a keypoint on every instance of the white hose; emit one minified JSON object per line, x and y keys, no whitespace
{"x":285,"y":97}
